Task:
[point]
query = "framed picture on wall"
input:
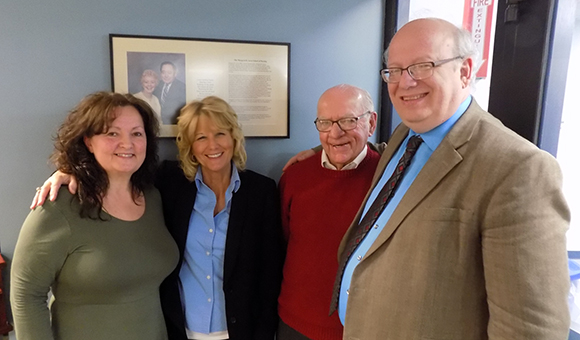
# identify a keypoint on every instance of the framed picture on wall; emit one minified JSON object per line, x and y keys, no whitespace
{"x":167,"y":72}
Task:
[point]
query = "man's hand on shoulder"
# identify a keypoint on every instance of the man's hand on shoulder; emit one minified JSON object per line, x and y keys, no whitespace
{"x":302,"y":155}
{"x":51,"y":186}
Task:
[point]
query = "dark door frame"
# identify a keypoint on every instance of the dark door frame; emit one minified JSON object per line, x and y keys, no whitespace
{"x":386,"y":111}
{"x":530,"y":67}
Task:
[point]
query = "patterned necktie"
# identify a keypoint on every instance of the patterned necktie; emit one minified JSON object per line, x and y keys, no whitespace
{"x":361,"y":230}
{"x":164,"y":93}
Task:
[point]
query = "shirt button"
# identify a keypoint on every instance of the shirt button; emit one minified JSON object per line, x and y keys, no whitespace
{"x":207,"y":253}
{"x":211,"y":230}
{"x":208,"y":300}
{"x":208,"y":277}
{"x":359,"y":257}
{"x":233,"y":320}
{"x":348,"y":292}
{"x":376,"y":226}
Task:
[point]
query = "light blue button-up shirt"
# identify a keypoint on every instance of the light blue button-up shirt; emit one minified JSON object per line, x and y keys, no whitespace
{"x":431,"y":141}
{"x":202,"y":272}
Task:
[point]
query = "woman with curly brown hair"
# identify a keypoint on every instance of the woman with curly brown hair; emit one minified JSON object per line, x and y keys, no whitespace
{"x":104,"y":251}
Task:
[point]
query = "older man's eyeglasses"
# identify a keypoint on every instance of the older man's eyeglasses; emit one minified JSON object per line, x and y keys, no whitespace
{"x":392,"y":75}
{"x":345,"y":124}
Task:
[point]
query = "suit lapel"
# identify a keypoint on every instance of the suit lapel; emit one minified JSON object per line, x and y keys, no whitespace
{"x":235,"y":228}
{"x":184,"y":201}
{"x":394,"y":142}
{"x":442,"y":161}
{"x":398,"y":136}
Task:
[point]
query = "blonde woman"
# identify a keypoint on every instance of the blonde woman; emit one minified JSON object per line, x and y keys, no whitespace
{"x":149,"y":81}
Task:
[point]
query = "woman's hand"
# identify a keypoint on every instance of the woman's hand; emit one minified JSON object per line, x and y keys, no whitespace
{"x":52,"y":185}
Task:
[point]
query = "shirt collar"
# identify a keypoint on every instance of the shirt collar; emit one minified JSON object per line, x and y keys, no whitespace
{"x":234,"y":179}
{"x":325,"y":162}
{"x":433,"y":138}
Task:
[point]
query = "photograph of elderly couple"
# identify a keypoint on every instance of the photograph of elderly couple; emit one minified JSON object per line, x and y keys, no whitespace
{"x":158,"y":79}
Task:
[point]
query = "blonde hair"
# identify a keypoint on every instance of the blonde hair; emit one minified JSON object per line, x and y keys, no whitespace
{"x":150,"y":73}
{"x":223,"y":116}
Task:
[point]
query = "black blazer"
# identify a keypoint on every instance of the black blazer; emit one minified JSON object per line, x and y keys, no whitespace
{"x":253,"y":256}
{"x":174,"y":101}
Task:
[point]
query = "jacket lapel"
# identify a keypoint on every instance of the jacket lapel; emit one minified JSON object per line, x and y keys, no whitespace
{"x":394,"y":142}
{"x":184,"y":201}
{"x":442,"y":161}
{"x":235,"y":227}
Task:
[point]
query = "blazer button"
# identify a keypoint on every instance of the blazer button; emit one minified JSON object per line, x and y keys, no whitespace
{"x":233,"y":320}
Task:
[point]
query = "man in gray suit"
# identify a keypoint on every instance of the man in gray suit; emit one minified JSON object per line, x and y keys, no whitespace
{"x":471,"y":244}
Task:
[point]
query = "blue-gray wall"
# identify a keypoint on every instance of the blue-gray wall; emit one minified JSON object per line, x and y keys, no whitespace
{"x":52,"y":53}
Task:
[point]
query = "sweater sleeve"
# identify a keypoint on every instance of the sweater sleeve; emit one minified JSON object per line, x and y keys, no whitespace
{"x":40,"y":252}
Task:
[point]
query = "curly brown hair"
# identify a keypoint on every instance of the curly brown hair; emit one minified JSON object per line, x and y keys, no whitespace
{"x":92,"y":116}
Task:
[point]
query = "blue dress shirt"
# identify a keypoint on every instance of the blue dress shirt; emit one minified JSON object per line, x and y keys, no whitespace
{"x":431,"y":141}
{"x":202,"y":272}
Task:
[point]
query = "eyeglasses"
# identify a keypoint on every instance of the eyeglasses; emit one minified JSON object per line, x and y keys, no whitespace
{"x":392,"y":75}
{"x":345,"y":124}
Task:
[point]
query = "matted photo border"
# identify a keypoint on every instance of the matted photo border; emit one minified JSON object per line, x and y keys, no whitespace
{"x":167,"y":72}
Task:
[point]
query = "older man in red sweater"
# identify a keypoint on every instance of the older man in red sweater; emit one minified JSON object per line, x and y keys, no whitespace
{"x":319,"y":197}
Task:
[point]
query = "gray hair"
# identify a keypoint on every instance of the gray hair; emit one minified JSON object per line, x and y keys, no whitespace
{"x":465,"y":46}
{"x":366,"y":101}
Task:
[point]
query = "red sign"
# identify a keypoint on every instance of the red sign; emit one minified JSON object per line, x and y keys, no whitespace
{"x":477,"y":17}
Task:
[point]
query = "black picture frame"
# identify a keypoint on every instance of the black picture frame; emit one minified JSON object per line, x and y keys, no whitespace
{"x":252,"y":76}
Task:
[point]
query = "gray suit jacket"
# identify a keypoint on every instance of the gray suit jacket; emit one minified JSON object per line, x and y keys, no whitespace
{"x":476,"y":249}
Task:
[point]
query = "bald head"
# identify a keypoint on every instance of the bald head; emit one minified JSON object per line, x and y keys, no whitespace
{"x":461,"y":40}
{"x":347,"y":93}
{"x":425,"y":103}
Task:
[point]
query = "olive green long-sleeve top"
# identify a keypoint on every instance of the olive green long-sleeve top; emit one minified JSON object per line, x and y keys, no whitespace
{"x":104,"y":275}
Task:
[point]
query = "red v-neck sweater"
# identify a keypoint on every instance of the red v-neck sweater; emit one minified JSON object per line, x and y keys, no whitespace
{"x":318,"y":205}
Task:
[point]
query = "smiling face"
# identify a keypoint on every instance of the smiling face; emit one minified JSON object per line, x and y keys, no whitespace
{"x":121,"y":150}
{"x":340,"y":146}
{"x":148,"y":83}
{"x":427,"y":103}
{"x":168,"y":73}
{"x":213,"y":147}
